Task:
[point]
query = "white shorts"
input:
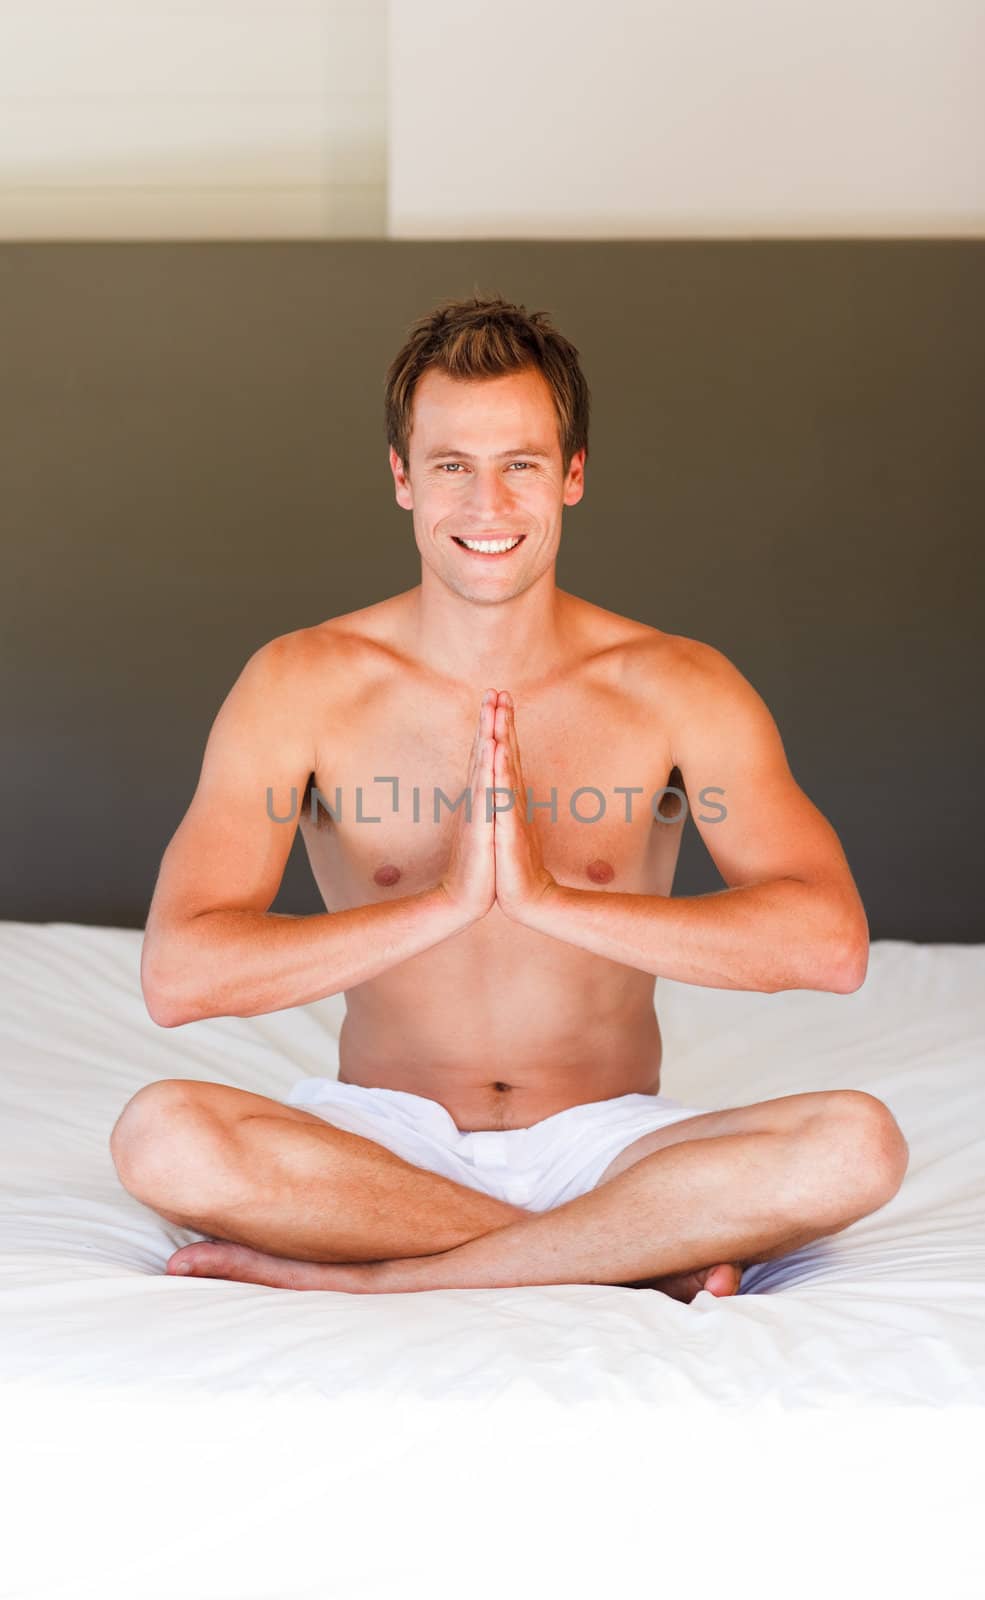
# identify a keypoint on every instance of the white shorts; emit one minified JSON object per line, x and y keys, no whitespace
{"x":538,"y":1167}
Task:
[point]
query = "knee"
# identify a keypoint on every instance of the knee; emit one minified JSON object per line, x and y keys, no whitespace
{"x":870,"y":1146}
{"x":168,"y":1147}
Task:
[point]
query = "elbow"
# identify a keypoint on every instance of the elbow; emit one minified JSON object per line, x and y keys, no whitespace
{"x":171,"y":1006}
{"x":832,"y":967}
{"x":164,"y":1005}
{"x":851,"y":978}
{"x":162,"y":1008}
{"x":851,"y":964}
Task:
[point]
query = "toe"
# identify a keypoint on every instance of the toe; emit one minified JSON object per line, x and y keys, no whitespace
{"x":194,"y":1259}
{"x":723,"y":1279}
{"x":181,"y":1261}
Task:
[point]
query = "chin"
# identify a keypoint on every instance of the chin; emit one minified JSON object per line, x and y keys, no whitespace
{"x":486,"y":599}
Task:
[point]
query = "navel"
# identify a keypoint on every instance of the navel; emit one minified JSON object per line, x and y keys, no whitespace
{"x":502,"y":1087}
{"x":386,"y":876}
{"x":600,"y":871}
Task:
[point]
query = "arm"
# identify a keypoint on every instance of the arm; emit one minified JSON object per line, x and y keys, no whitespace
{"x":791,"y":916}
{"x":211,"y":947}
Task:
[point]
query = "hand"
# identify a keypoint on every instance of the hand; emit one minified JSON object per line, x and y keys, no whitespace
{"x":470,"y":876}
{"x":521,"y":877}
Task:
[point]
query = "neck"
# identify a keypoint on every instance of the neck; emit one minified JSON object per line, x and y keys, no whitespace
{"x":490,"y":645}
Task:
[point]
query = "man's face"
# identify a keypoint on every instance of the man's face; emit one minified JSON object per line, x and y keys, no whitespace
{"x":485,"y":465}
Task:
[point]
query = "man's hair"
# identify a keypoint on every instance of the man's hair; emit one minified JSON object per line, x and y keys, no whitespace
{"x":485,"y":337}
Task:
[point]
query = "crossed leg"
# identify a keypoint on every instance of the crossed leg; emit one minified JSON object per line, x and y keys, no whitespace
{"x":776,"y":1175}
{"x":295,"y":1207}
{"x":783,"y":1115}
{"x":247,"y":1169}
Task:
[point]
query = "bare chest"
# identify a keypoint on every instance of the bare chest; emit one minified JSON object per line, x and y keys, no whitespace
{"x":378,"y":814}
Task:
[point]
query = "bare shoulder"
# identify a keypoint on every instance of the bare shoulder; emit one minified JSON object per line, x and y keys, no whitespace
{"x":283,"y":669}
{"x":285,"y":652}
{"x":335,"y":647}
{"x":692,"y":691}
{"x":690,"y":673}
{"x":358,"y":638}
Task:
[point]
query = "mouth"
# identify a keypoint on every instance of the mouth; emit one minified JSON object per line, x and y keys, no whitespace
{"x":490,"y":549}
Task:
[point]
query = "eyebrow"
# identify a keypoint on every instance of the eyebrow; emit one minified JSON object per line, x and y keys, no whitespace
{"x":519,"y":450}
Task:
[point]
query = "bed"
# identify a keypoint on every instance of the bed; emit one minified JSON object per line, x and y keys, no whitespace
{"x":169,"y":1437}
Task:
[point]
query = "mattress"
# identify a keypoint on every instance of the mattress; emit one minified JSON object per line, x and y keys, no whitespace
{"x":166,"y":1437}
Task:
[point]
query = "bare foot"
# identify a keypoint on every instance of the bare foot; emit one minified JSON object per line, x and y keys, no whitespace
{"x":723,"y":1279}
{"x":221,"y":1259}
{"x":241,"y":1264}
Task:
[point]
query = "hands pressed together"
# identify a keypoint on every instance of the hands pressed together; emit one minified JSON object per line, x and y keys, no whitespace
{"x":496,"y":857}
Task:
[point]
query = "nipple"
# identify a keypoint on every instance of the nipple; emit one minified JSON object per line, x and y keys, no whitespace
{"x":600,"y":871}
{"x":386,"y":876}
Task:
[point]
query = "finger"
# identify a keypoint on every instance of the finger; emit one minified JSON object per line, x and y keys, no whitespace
{"x":482,"y":726}
{"x":514,"y":778}
{"x":487,"y":713}
{"x":513,"y":742}
{"x":488,"y":799}
{"x":503,"y":774}
{"x":507,"y":741}
{"x":503,"y":720}
{"x":505,"y":779}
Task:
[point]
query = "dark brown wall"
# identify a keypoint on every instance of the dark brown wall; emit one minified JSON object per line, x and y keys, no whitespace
{"x":786,"y":460}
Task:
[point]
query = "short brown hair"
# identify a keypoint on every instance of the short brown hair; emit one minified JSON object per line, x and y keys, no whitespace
{"x":485,"y":337}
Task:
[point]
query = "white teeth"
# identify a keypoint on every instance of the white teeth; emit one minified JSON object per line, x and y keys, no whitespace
{"x":492,"y":546}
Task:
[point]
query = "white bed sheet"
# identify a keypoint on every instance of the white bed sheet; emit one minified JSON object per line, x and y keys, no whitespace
{"x":168,"y":1437}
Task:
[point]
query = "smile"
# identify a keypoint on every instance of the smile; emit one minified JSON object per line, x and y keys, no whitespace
{"x":490,"y":547}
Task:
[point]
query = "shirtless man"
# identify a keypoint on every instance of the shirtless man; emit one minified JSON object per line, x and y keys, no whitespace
{"x":498,"y":959}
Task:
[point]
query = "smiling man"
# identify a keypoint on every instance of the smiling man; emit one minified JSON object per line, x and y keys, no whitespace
{"x":496,"y":865}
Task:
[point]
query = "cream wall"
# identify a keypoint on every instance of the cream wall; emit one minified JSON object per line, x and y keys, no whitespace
{"x":588,"y":118}
{"x":491,"y":118}
{"x":192,"y":118}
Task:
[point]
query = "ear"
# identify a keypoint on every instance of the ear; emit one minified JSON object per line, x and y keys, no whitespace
{"x":574,"y":483}
{"x":403,"y":491}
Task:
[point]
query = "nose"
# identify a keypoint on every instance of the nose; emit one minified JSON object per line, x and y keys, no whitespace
{"x":490,"y":492}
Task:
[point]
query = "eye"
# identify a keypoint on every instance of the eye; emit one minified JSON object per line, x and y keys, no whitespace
{"x":446,"y":464}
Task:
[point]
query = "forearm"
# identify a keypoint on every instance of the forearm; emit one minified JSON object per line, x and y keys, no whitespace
{"x":246,"y":963}
{"x":783,"y":934}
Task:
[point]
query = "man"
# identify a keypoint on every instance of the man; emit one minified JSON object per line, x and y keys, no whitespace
{"x":496,"y":866}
